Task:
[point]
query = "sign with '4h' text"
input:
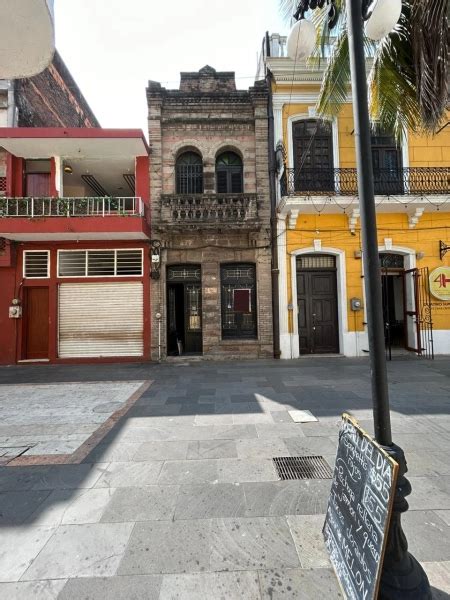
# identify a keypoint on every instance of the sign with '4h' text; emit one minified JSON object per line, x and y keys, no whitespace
{"x":359,"y":511}
{"x":440,"y":283}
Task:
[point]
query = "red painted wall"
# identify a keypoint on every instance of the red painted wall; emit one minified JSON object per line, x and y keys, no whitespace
{"x":12,"y":282}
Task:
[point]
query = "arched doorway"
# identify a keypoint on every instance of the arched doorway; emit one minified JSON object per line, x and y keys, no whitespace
{"x":317,"y":304}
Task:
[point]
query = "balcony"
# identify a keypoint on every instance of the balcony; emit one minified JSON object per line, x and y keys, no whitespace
{"x":29,"y":219}
{"x":414,"y":181}
{"x":209,"y":211}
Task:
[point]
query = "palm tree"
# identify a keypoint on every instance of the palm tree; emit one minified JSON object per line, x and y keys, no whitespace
{"x":409,"y":68}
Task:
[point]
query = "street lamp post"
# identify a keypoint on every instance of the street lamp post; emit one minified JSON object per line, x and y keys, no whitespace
{"x":402,"y":576}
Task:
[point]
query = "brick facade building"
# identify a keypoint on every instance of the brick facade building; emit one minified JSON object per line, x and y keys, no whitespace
{"x":50,"y":99}
{"x":211,"y":289}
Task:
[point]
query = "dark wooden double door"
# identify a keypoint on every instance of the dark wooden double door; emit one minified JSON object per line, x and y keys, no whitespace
{"x":317,"y":311}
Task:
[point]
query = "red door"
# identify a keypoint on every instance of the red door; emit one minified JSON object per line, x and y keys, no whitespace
{"x":36,"y":323}
{"x":38,"y":185}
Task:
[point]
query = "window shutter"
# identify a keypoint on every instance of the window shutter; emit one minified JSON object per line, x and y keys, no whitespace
{"x":221,"y":181}
{"x":236,"y":182}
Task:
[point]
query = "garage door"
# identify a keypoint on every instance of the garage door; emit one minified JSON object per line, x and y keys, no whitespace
{"x":100,"y":319}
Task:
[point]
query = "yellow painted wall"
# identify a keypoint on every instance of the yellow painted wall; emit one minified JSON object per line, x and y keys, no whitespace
{"x":333,"y":231}
{"x":423,"y":151}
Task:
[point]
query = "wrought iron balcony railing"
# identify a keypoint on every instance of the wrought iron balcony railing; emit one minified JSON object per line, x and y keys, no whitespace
{"x":387,"y":182}
{"x":71,"y":207}
{"x":233,"y":210}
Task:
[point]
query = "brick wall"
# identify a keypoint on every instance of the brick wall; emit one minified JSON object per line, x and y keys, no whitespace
{"x":52,"y":99}
{"x":207,"y":114}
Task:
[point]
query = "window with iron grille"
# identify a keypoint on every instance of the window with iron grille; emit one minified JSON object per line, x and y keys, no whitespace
{"x":229,"y":174}
{"x":189,"y":173}
{"x":2,"y":186}
{"x":36,"y":264}
{"x":100,"y":263}
{"x":238,"y":292}
{"x":316,"y":261}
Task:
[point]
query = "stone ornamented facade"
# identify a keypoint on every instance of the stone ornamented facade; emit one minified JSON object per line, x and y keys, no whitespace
{"x":211,"y":291}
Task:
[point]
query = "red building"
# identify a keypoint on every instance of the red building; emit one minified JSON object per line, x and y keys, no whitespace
{"x":74,"y":245}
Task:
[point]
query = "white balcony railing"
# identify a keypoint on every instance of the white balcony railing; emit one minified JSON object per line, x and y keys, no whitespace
{"x":71,"y":207}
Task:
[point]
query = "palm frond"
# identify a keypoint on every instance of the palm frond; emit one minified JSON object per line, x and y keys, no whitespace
{"x":335,"y":82}
{"x":430,"y":41}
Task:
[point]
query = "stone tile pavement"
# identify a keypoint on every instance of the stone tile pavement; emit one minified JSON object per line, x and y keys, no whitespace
{"x":180,"y":499}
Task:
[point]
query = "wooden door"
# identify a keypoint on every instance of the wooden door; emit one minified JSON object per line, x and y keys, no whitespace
{"x":387,"y":165}
{"x":38,"y":185}
{"x":36,"y":323}
{"x":317,"y":312}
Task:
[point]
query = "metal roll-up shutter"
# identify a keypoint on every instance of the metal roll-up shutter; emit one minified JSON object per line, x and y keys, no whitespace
{"x":101,"y":319}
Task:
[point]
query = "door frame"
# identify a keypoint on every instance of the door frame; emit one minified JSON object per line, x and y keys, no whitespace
{"x":408,"y":291}
{"x":341,"y":287}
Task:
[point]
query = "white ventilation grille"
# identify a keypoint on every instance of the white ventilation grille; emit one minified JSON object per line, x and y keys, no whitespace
{"x":100,"y":263}
{"x":36,"y":264}
{"x":316,"y":261}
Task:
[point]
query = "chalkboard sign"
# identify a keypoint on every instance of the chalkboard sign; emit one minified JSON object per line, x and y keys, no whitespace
{"x":359,"y":510}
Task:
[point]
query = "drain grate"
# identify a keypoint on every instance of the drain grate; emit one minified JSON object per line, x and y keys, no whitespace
{"x":302,"y":467}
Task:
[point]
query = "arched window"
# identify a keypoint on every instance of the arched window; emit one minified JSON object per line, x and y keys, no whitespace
{"x":229,"y":179}
{"x":189,"y":173}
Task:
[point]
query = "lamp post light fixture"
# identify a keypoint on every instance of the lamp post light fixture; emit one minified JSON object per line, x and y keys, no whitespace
{"x":402,"y":577}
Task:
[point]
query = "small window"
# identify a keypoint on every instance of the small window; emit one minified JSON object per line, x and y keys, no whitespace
{"x":229,"y":177}
{"x":316,"y":261}
{"x":36,"y":264}
{"x":99,"y":263}
{"x":238,"y":291}
{"x":189,"y":173}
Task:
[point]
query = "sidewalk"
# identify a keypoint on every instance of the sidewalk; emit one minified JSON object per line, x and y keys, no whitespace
{"x":181,"y":499}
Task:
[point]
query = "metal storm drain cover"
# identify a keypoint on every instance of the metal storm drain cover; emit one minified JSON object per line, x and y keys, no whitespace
{"x":302,"y":467}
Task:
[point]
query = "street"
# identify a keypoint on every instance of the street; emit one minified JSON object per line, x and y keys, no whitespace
{"x":156,"y":481}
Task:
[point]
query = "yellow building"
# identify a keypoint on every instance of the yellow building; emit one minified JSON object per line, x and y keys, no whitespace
{"x":321,"y":279}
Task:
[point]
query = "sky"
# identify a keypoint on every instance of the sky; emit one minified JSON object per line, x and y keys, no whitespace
{"x":113,"y":47}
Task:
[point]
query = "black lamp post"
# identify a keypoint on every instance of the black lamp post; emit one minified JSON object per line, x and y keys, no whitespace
{"x":402,"y":576}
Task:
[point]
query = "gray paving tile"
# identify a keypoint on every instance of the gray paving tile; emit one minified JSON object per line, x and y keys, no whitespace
{"x":444,"y":515}
{"x":428,"y":536}
{"x":439,"y":577}
{"x":214,"y":419}
{"x":114,"y":452}
{"x":19,"y":478}
{"x":261,"y":448}
{"x":168,"y":547}
{"x":38,"y":590}
{"x":211,"y":586}
{"x":149,"y":451}
{"x":280,"y":498}
{"x":429,"y":493}
{"x":142,"y":587}
{"x":202,"y":449}
{"x":280,"y":430}
{"x":69,"y":476}
{"x":299,"y":584}
{"x":19,"y":547}
{"x":245,"y":470}
{"x":81,"y":551}
{"x":255,"y":417}
{"x":16,"y":507}
{"x":307,"y":533}
{"x":310,"y":446}
{"x":150,"y":503}
{"x":247,"y":544}
{"x":233,"y":432}
{"x":210,"y":500}
{"x":125,"y":474}
{"x":188,"y":471}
